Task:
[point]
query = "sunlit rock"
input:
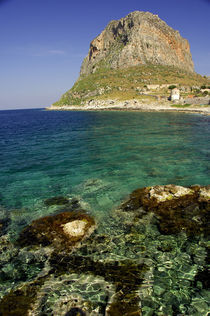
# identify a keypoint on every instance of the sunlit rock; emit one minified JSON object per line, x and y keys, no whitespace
{"x":177,"y":208}
{"x":75,"y":228}
{"x":62,"y":231}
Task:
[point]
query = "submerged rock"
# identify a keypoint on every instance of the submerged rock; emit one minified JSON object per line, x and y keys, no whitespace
{"x":66,"y":204}
{"x":92,"y":185}
{"x":152,"y":259}
{"x":126,"y":276}
{"x":79,"y":284}
{"x":61,"y":231}
{"x":57,"y":200}
{"x":73,"y":292}
{"x":18,"y":302}
{"x":176,"y":208}
{"x":75,"y":311}
{"x":4,"y":223}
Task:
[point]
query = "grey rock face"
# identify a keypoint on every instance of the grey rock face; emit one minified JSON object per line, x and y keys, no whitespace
{"x":139,"y":38}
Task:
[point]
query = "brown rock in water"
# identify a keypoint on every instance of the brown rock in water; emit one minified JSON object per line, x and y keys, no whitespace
{"x":4,"y":223}
{"x":61,"y":231}
{"x":57,"y":200}
{"x":177,"y":208}
{"x":139,"y":38}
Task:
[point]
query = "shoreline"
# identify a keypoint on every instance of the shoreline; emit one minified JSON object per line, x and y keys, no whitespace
{"x":134,"y":107}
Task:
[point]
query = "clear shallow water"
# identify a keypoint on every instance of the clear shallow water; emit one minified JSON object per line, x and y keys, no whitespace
{"x":101,"y":157}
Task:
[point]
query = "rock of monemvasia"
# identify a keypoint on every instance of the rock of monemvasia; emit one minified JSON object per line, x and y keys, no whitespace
{"x":130,"y":55}
{"x":139,"y":38}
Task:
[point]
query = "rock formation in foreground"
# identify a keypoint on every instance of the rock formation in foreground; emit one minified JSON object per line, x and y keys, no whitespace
{"x":139,"y":38}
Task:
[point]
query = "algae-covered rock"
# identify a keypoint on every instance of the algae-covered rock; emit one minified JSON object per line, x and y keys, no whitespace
{"x":78,"y":284}
{"x":73,"y":292}
{"x":18,"y":302}
{"x":66,"y":204}
{"x":61,"y":231}
{"x":4,"y":223}
{"x":127,"y":277}
{"x":57,"y":200}
{"x":75,"y":311}
{"x":177,"y":208}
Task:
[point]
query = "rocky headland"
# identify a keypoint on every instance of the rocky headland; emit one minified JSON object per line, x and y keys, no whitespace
{"x":139,"y":38}
{"x":134,"y":63}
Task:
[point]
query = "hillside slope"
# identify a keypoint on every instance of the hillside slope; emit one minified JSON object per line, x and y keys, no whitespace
{"x":130,"y":83}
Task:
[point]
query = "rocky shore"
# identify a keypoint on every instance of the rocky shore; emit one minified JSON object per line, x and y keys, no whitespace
{"x":133,"y":105}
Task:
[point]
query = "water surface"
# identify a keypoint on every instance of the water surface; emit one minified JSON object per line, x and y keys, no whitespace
{"x":99,"y":158}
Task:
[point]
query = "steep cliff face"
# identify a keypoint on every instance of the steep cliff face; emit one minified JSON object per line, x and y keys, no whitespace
{"x":130,"y":55}
{"x":137,"y":39}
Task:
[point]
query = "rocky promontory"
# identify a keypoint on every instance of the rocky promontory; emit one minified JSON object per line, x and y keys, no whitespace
{"x":130,"y":56}
{"x":139,"y":38}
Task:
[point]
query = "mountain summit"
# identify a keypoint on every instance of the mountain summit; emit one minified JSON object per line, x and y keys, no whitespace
{"x":139,"y":38}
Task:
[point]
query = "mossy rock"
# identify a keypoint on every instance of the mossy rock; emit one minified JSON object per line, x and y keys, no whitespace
{"x":127,"y":277}
{"x":75,"y":311}
{"x":203,"y":276}
{"x":4,"y":223}
{"x":57,"y":200}
{"x":176,"y":208}
{"x":18,"y":302}
{"x":61,"y":231}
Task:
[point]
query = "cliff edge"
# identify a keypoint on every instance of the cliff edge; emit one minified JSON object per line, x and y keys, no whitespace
{"x":139,"y":38}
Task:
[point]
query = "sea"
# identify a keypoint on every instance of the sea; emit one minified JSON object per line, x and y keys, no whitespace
{"x":99,"y":158}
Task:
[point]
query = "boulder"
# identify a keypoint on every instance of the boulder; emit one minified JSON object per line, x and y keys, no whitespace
{"x":62,"y":231}
{"x":177,"y":208}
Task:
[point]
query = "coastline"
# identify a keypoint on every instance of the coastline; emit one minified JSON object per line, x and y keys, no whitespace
{"x":133,"y":106}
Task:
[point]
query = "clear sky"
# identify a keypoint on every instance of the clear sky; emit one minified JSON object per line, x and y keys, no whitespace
{"x":43,"y":42}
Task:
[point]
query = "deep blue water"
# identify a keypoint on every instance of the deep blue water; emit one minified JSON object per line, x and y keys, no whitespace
{"x":100,"y":156}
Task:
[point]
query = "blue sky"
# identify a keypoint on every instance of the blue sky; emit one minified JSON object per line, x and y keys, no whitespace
{"x":43,"y":42}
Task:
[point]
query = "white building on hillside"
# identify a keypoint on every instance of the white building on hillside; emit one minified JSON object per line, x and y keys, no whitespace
{"x":175,"y":94}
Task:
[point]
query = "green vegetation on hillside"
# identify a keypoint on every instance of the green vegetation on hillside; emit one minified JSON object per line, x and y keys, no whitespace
{"x":181,"y":105}
{"x":128,"y":83}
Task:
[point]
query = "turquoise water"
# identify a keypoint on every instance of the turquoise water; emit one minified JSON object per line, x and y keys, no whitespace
{"x":100,"y":158}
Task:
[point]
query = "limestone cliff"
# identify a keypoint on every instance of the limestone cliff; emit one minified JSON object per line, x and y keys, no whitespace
{"x":129,"y":56}
{"x":139,"y":38}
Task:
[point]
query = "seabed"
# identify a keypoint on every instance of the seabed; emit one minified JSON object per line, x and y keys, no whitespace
{"x":149,"y":258}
